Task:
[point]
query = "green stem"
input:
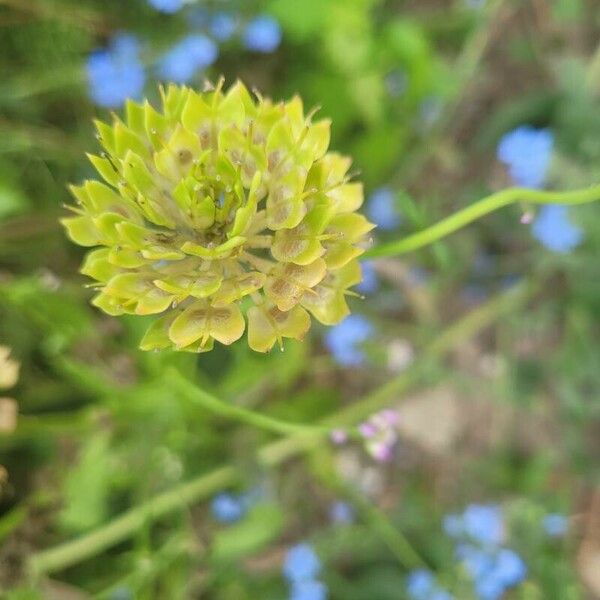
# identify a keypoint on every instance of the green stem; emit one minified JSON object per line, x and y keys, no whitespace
{"x":479,"y":209}
{"x":199,"y":396}
{"x":121,"y":528}
{"x":393,"y":538}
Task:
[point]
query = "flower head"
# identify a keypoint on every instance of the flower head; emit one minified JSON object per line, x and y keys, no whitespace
{"x":555,"y":525}
{"x":554,"y":230}
{"x":227,"y":508}
{"x":190,"y":55}
{"x":526,"y":152}
{"x":166,"y":6}
{"x":344,"y":340}
{"x":116,"y":73}
{"x":301,"y":563}
{"x":370,"y":282}
{"x":215,"y":206}
{"x":379,"y":433}
{"x":382,"y":210}
{"x":262,"y":34}
{"x":421,"y":584}
{"x":482,"y":523}
{"x":223,"y":25}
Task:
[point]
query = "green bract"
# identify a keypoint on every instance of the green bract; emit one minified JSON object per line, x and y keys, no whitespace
{"x":220,"y":208}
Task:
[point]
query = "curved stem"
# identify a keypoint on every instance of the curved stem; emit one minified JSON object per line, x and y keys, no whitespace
{"x":199,"y":396}
{"x":72,"y":552}
{"x":479,"y":209}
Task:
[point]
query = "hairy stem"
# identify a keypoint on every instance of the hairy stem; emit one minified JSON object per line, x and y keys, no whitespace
{"x":484,"y":206}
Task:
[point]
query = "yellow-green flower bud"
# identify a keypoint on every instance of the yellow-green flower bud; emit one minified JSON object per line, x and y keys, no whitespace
{"x":220,"y":208}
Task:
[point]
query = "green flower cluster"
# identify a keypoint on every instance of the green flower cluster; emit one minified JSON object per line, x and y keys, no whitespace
{"x":219,"y":206}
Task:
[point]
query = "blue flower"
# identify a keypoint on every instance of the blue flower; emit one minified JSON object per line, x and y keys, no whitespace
{"x":554,"y":230}
{"x":223,"y":26}
{"x":382,"y":210}
{"x":308,"y":590}
{"x":492,"y":570}
{"x":369,"y":282}
{"x":341,"y":512}
{"x":301,"y":563}
{"x":116,"y":73}
{"x":509,"y":567}
{"x":190,"y":55}
{"x":477,"y":562}
{"x":489,"y":588}
{"x":227,"y":508}
{"x":555,"y":525}
{"x":453,"y":526}
{"x":166,"y":6}
{"x":343,"y":340}
{"x":419,"y":584}
{"x":526,"y":152}
{"x":262,"y":34}
{"x":484,"y":523}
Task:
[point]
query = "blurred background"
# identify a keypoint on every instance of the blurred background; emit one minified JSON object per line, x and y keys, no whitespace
{"x":478,"y":480}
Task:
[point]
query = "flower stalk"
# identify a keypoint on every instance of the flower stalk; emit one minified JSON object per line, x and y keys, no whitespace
{"x":479,"y":209}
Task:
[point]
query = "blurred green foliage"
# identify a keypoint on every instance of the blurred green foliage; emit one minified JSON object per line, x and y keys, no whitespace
{"x":419,"y":94}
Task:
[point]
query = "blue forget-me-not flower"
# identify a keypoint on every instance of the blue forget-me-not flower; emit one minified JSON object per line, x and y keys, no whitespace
{"x":262,"y":34}
{"x":482,"y":523}
{"x":223,"y":26}
{"x":381,"y":209}
{"x":190,"y":55}
{"x":526,"y":152}
{"x":421,"y":585}
{"x":166,"y":6}
{"x":506,"y":570}
{"x":228,"y":508}
{"x":493,"y":570}
{"x":555,"y":525}
{"x":116,"y":73}
{"x":480,"y":531}
{"x":301,"y":563}
{"x":369,"y":282}
{"x":344,"y":340}
{"x":554,"y":230}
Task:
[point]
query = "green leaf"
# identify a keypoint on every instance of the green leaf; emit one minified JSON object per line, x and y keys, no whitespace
{"x":88,"y":485}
